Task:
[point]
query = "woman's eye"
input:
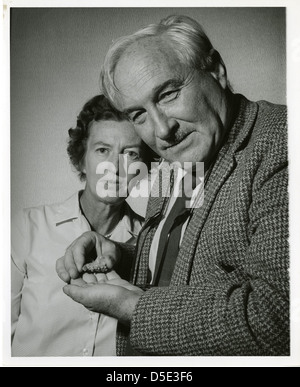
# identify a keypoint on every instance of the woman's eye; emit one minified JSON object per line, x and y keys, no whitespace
{"x":132,"y":155}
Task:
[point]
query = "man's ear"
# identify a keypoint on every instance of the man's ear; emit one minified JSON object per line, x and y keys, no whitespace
{"x":220,"y":74}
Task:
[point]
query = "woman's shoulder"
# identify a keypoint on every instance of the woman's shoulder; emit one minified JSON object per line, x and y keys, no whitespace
{"x":47,"y":211}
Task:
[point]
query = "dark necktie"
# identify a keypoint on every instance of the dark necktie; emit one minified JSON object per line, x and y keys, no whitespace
{"x":169,"y":241}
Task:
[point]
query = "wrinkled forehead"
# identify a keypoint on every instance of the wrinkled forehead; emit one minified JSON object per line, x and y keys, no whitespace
{"x":141,"y":63}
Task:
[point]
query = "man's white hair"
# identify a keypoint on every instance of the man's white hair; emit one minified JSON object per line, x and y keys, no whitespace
{"x":186,"y":36}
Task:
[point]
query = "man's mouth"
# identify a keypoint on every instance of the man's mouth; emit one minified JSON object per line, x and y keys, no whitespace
{"x":177,"y":141}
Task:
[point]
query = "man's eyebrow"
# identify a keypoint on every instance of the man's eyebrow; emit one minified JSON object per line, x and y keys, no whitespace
{"x":156,"y":91}
{"x":170,"y":82}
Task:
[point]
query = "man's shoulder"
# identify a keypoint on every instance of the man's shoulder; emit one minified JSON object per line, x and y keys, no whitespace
{"x":275,"y":113}
{"x":268,"y":140}
{"x":270,"y":123}
{"x":272,"y":116}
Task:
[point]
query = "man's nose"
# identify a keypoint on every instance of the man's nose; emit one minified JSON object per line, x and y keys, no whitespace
{"x":164,"y":125}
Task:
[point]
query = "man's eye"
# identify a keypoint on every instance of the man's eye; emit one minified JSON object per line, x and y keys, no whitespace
{"x":102,"y":151}
{"x":137,"y":118}
{"x":169,"y":95}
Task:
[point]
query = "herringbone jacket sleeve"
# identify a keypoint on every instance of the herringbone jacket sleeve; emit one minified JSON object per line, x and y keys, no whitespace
{"x":236,"y":300}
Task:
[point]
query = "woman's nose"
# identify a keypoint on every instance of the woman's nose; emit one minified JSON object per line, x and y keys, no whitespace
{"x":114,"y":161}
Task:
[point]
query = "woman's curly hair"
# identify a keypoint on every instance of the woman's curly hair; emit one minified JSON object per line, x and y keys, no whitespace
{"x":96,"y":109}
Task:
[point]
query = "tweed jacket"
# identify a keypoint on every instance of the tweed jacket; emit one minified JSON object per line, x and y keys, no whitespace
{"x":229,"y":293}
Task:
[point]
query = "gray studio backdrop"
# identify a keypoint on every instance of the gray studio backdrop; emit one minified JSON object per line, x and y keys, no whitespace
{"x":56,"y":55}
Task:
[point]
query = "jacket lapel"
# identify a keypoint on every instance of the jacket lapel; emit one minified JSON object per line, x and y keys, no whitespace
{"x":160,"y":190}
{"x":158,"y":198}
{"x":219,"y":174}
{"x":222,"y":169}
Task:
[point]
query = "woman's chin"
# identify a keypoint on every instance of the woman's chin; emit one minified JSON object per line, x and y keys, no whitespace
{"x":113,"y":196}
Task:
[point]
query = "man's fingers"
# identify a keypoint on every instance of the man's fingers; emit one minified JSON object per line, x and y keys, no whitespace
{"x":115,"y":279}
{"x":98,"y":247}
{"x":70,"y":265}
{"x":82,"y":246}
{"x":105,"y":263}
{"x":61,"y":270}
{"x":109,"y":253}
{"x":78,"y":281}
{"x":77,"y":293}
{"x":116,"y":300}
{"x":79,"y":251}
{"x":101,"y":277}
{"x":89,"y":278}
{"x":111,"y":275}
{"x":75,"y":254}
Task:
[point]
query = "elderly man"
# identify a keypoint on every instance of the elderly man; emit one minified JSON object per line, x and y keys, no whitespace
{"x":226,"y":291}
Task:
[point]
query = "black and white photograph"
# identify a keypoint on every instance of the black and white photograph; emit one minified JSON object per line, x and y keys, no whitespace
{"x":151,"y":215}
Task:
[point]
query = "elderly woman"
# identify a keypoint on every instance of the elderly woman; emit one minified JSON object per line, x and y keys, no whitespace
{"x":44,"y":321}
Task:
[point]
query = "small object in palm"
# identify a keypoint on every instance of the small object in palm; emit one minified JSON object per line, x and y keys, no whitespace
{"x":99,"y":265}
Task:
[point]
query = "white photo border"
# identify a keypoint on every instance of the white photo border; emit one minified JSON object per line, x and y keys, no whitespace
{"x":293,"y":102}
